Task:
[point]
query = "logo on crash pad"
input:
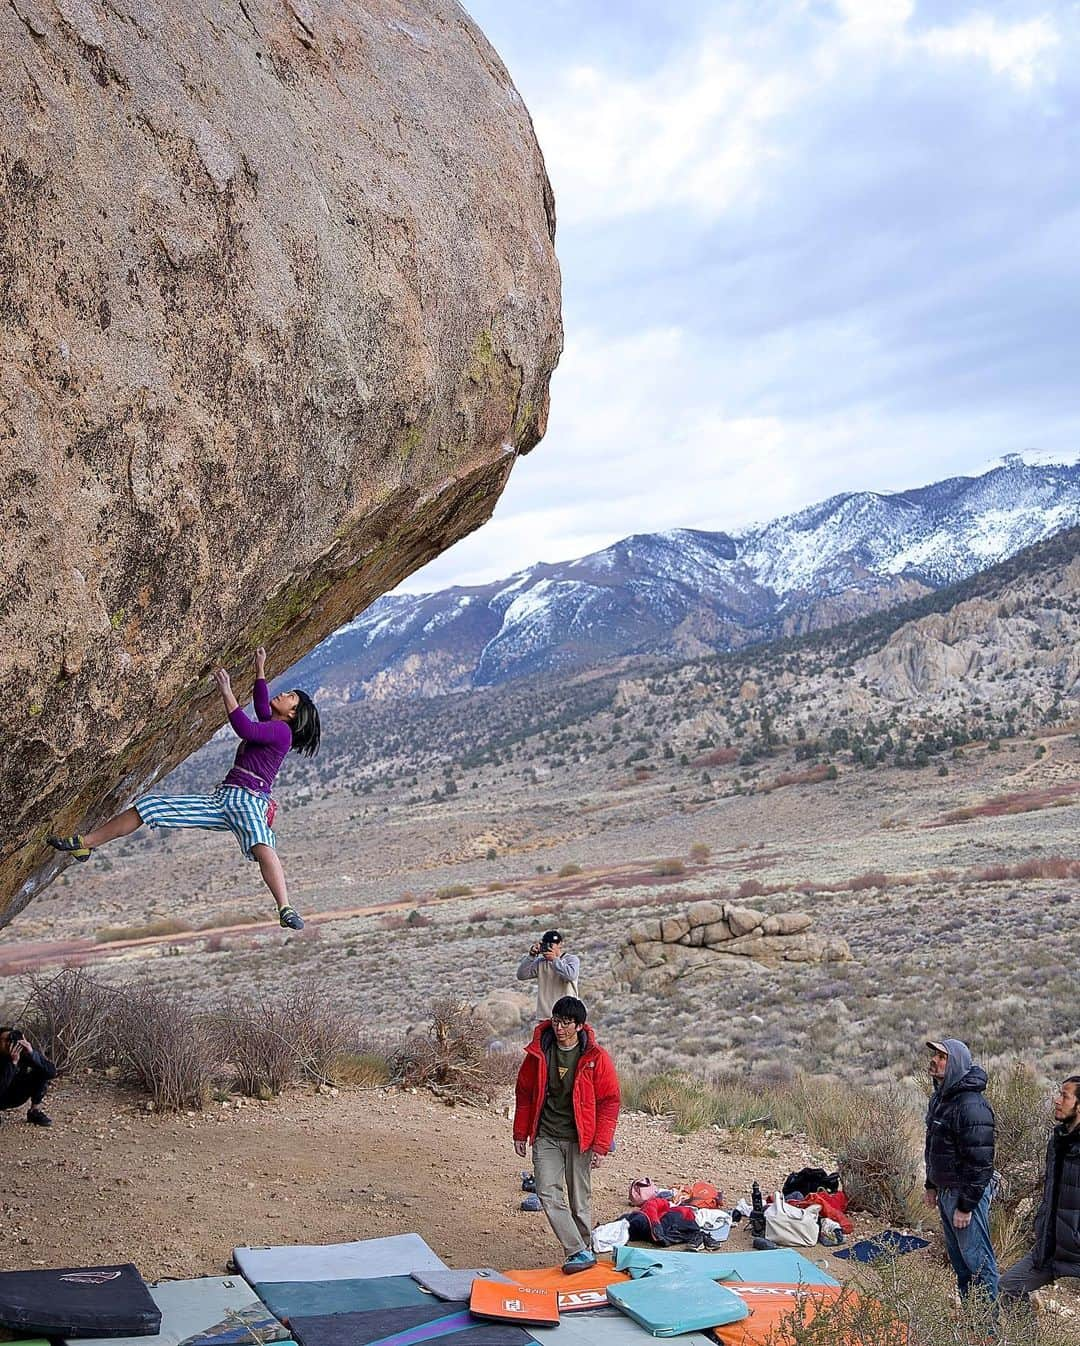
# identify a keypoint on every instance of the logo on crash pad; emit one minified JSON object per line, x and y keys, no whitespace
{"x":92,"y":1277}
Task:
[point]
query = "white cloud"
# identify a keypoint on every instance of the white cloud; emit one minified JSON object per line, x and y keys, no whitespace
{"x":693,"y":133}
{"x":1021,"y":52}
{"x":707,"y":127}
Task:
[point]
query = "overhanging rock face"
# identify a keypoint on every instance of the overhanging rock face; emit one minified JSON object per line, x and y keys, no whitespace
{"x":279,"y":306}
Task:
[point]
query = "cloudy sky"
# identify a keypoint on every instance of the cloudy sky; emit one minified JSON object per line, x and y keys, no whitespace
{"x":807,"y":246}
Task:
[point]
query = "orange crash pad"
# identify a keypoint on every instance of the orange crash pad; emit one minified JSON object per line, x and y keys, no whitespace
{"x":582,"y":1290}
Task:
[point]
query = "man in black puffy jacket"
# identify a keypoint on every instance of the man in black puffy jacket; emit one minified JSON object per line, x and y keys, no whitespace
{"x":1057,"y":1221}
{"x":960,"y":1164}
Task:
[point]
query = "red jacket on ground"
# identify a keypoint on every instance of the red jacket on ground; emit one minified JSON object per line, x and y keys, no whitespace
{"x":596,"y":1092}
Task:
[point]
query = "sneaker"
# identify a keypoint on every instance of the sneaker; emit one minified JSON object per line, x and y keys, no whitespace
{"x":37,"y":1117}
{"x":290,"y":918}
{"x":72,"y":846}
{"x":582,"y":1261}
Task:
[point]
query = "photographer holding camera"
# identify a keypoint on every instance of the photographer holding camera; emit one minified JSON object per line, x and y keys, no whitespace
{"x":24,"y":1075}
{"x":556,"y":972}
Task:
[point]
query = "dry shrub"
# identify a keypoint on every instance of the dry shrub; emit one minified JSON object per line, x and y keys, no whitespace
{"x":366,"y":1070}
{"x":916,"y":1298}
{"x":567,"y":871}
{"x":668,"y":868}
{"x":877,"y":1155}
{"x":453,"y":890}
{"x":751,"y":888}
{"x":700,"y":853}
{"x":224,"y":919}
{"x":168,"y":925}
{"x":163,"y":1048}
{"x":257,"y":1041}
{"x":718,"y":757}
{"x":811,"y":776}
{"x":392,"y":920}
{"x":1022,"y":1112}
{"x":319,"y":1035}
{"x":69,"y":1017}
{"x":1052,"y":867}
{"x":451,"y":1059}
{"x":1007,"y":805}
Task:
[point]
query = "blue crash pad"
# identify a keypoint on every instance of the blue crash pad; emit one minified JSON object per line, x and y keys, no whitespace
{"x":671,"y":1303}
{"x":314,"y":1299}
{"x":439,"y":1322}
{"x":780,"y":1266}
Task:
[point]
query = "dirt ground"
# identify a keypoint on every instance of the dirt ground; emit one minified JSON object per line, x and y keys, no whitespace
{"x":315,"y":1168}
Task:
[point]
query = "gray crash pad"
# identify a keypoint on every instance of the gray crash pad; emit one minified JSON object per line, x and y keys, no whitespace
{"x":396,"y":1255}
{"x":210,"y":1311}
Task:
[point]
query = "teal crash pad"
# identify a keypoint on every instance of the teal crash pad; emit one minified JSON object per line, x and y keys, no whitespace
{"x":672,"y":1303}
{"x":315,"y":1299}
{"x":780,"y":1266}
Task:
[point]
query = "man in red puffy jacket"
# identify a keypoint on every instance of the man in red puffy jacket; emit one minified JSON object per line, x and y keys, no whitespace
{"x":567,"y":1107}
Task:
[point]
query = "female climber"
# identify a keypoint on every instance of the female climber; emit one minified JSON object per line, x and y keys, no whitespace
{"x":241,"y":804}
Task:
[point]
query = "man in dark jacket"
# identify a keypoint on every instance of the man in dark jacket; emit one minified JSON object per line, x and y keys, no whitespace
{"x":1057,"y":1221}
{"x":24,"y":1075}
{"x":567,"y":1105}
{"x":960,"y":1164}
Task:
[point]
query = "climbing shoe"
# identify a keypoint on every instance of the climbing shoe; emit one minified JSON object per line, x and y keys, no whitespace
{"x":582,"y":1261}
{"x":72,"y":846}
{"x":290,"y":918}
{"x":37,"y":1117}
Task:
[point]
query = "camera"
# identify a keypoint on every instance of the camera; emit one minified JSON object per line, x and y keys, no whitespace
{"x":546,"y":944}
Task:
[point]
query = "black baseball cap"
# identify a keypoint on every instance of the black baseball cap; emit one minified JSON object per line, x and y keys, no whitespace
{"x":551,"y":937}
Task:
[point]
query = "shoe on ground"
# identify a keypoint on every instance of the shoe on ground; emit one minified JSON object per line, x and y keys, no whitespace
{"x":290,"y":918}
{"x":531,"y":1203}
{"x":38,"y":1117}
{"x":582,"y":1261}
{"x":72,"y":846}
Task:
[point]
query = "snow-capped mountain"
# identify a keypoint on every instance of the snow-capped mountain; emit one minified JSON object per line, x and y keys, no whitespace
{"x":688,"y":591}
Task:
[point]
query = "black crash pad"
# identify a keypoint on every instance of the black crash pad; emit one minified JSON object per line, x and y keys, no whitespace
{"x":445,"y":1323}
{"x":78,"y":1302}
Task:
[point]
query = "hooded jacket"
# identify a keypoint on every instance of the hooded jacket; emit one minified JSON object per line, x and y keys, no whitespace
{"x":1057,"y":1244}
{"x":960,"y":1130}
{"x":596,"y":1090}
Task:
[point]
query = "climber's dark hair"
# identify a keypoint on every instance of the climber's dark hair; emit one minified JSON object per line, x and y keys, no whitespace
{"x":306,"y":730}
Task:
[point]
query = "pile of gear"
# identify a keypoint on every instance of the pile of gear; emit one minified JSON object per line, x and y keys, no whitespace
{"x":810,"y":1209}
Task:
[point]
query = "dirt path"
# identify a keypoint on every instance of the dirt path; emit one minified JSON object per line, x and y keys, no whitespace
{"x":110,"y":1183}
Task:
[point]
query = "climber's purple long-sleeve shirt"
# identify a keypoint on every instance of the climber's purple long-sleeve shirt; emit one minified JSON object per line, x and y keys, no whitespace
{"x":265,"y":743}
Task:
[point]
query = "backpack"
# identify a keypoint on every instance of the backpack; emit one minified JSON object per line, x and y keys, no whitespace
{"x":642,"y":1190}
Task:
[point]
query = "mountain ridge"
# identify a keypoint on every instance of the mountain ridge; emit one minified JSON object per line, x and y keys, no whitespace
{"x":687,"y":592}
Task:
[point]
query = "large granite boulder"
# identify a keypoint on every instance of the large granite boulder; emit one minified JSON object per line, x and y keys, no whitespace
{"x":279,"y":306}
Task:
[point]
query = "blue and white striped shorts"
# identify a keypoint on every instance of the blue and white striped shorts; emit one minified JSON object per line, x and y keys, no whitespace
{"x":229,"y":809}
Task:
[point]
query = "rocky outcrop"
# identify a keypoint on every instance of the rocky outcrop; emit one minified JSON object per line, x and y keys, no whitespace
{"x":279,"y":306}
{"x":981,"y":639}
{"x":709,"y":936}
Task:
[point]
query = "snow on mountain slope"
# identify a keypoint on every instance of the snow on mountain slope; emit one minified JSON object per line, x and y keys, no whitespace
{"x":686,"y":589}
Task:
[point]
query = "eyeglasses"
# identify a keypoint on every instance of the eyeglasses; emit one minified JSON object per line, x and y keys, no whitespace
{"x":564,"y":1023}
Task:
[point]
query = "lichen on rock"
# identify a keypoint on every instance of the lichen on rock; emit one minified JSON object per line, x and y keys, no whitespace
{"x":279,"y":308}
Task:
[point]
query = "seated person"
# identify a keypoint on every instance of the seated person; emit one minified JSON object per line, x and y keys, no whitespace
{"x":24,"y":1075}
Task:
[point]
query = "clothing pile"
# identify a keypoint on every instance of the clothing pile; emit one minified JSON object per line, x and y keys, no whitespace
{"x":810,"y":1209}
{"x":692,"y":1215}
